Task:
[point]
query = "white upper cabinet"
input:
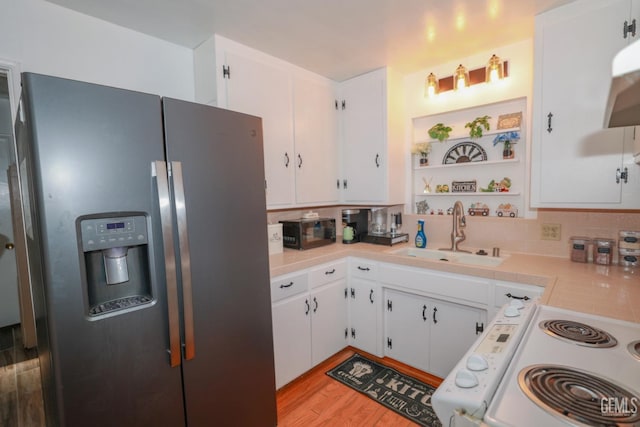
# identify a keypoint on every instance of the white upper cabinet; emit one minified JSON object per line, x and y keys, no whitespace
{"x":576,"y":163}
{"x":316,"y":141}
{"x":372,"y":136}
{"x":262,"y":90}
{"x":299,"y":119}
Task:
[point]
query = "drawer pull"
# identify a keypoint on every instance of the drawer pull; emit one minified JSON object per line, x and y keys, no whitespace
{"x":330,"y":272}
{"x":290,"y":284}
{"x":371,"y":296}
{"x":364,"y":268}
{"x":508,"y":295}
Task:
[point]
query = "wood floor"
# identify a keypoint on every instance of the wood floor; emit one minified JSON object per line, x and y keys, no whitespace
{"x":315,"y":399}
{"x":20,"y":390}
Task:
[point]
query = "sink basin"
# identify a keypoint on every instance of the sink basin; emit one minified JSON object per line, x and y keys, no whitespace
{"x":453,"y":257}
{"x":472,"y":259}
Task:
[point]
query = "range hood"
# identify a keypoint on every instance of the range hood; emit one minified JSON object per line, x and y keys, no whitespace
{"x":623,"y":106}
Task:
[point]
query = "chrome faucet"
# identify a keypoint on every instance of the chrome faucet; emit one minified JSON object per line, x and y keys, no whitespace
{"x":457,"y":233}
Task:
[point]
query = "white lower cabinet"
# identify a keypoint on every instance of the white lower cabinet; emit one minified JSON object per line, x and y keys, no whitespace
{"x":291,"y":338}
{"x":364,"y":299}
{"x":429,"y":334}
{"x":406,"y":325}
{"x":427,"y":319}
{"x":309,"y":315}
{"x":328,"y":321}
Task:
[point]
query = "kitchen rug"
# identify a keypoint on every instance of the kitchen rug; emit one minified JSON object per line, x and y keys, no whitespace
{"x":400,"y":393}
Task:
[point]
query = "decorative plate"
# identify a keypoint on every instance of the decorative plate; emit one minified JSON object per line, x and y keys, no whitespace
{"x":465,"y":152}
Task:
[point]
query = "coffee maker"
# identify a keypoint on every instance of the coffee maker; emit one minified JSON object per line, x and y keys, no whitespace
{"x":378,"y":231}
{"x":358,"y":220}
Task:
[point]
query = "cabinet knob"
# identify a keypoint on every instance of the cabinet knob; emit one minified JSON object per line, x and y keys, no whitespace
{"x":9,"y":246}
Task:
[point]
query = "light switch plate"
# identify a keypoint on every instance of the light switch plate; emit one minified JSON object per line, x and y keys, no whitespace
{"x":551,"y":232}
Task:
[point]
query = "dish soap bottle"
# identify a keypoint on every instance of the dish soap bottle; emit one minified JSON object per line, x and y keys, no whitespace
{"x":421,"y":239}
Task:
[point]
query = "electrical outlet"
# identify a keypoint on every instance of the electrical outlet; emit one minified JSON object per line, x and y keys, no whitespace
{"x":550,"y":231}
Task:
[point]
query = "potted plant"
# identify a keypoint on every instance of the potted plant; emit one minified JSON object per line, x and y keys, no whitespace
{"x":507,"y":139}
{"x":475,"y":126}
{"x":439,"y":131}
{"x":422,"y":149}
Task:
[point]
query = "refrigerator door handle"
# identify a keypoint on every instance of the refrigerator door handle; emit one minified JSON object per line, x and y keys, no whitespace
{"x":159,"y":171}
{"x":185,"y":259}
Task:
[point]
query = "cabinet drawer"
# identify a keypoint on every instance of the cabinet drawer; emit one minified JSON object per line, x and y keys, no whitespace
{"x":363,"y":268}
{"x":286,"y":286}
{"x":327,"y":273}
{"x":506,"y":291}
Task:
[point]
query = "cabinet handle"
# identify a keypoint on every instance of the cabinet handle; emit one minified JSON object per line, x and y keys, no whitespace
{"x":435,"y":310}
{"x":479,"y":328}
{"x":371,"y":296}
{"x":377,"y":160}
{"x":315,"y":302}
{"x":299,"y":161}
{"x":363,"y":268}
{"x":290,"y":284}
{"x":307,"y":307}
{"x":330,"y":272}
{"x":344,"y":184}
{"x":549,"y":128}
{"x":286,"y":160}
{"x":509,"y":295}
{"x":622,"y":175}
{"x":629,"y":28}
{"x":338,"y":184}
{"x":424,"y":313}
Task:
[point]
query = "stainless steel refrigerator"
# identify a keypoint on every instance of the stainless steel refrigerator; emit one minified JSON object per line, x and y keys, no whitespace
{"x":146,"y":229}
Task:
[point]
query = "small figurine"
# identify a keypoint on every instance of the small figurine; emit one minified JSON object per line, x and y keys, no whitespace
{"x":478,"y":209}
{"x":440,"y":212}
{"x":507,"y":209}
{"x":501,"y":186}
{"x":450,"y":211}
{"x":422,"y":207}
{"x":442,"y":188}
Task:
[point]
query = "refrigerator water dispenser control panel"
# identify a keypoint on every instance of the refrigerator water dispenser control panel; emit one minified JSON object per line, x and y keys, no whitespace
{"x":104,"y":233}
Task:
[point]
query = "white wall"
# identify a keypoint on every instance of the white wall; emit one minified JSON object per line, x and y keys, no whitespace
{"x":45,"y":38}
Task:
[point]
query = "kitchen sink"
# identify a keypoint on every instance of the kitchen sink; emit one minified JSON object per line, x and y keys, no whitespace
{"x":453,"y":257}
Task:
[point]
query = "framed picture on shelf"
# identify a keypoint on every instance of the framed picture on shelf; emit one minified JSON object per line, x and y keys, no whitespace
{"x":509,"y":121}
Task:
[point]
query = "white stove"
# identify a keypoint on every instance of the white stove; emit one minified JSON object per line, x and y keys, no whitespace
{"x":541,"y":376}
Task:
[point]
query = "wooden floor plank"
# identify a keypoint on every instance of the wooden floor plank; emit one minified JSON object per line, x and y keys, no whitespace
{"x":317,"y":400}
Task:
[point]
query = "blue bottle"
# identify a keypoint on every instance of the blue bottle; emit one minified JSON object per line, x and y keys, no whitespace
{"x":421,"y":239}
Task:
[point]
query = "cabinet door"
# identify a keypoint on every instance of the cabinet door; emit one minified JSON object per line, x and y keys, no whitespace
{"x":364,"y":138}
{"x":363,"y":315}
{"x":328,"y":321}
{"x":316,"y":141}
{"x":406,"y":320}
{"x":265,"y":91}
{"x":453,"y":332}
{"x":291,"y":338}
{"x":576,"y":161}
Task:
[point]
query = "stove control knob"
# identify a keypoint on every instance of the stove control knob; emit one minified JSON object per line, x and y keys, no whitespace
{"x":477,"y":362}
{"x":517,"y":304}
{"x":466,"y":379}
{"x":511,"y":311}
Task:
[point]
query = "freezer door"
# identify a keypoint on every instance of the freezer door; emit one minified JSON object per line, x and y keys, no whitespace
{"x":90,"y":153}
{"x":228,"y":370}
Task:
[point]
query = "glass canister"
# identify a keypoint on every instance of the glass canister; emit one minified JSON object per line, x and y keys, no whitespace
{"x":603,"y":250}
{"x":580,"y":248}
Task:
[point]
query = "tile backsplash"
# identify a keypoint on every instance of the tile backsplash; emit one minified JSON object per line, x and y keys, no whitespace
{"x":509,"y":234}
{"x":524,"y":235}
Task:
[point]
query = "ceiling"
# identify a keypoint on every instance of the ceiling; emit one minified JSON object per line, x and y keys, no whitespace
{"x":335,"y":38}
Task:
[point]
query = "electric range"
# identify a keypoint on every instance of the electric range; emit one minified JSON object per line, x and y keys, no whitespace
{"x":555,"y":367}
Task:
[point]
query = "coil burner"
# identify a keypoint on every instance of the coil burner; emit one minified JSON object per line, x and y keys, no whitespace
{"x":578,"y":333}
{"x":634,"y":349}
{"x":576,"y":396}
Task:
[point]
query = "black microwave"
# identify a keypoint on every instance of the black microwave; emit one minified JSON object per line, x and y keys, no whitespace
{"x":308,"y":233}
